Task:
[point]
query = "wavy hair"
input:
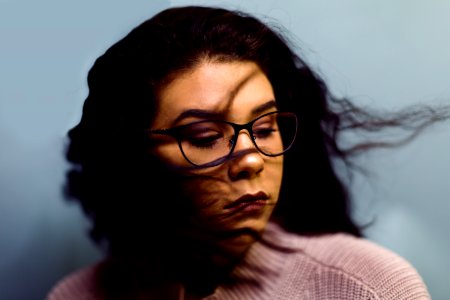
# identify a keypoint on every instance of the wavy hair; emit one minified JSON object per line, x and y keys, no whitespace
{"x":120,"y":186}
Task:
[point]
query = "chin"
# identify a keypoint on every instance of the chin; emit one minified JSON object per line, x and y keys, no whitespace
{"x":238,"y":245}
{"x":253,"y":225}
{"x":247,"y":233}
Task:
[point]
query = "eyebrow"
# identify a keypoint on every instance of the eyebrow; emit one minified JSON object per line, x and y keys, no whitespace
{"x":264,"y":107}
{"x":209,"y":114}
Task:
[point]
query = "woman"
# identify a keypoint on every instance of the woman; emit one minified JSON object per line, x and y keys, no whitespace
{"x":205,"y":159}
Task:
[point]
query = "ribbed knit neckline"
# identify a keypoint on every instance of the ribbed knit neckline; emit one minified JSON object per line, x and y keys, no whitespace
{"x":261,"y":265}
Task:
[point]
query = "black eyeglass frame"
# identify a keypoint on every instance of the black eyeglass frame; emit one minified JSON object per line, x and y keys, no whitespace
{"x":175,"y":132}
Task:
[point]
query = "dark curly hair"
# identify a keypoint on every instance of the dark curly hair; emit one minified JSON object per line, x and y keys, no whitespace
{"x":121,"y":187}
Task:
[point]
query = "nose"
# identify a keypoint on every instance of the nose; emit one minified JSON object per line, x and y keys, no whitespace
{"x":247,"y":162}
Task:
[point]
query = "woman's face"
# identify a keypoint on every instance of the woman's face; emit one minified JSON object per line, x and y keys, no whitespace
{"x":238,"y":196}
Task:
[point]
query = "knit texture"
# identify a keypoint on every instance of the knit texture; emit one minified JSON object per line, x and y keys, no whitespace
{"x":333,"y":266}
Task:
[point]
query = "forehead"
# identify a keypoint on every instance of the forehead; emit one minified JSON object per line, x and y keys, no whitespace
{"x":231,"y":89}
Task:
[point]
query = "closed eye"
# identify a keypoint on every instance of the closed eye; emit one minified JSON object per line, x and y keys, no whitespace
{"x":261,"y":133}
{"x":205,"y":140}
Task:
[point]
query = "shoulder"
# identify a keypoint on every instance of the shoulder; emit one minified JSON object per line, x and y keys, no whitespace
{"x":81,"y":284}
{"x":350,"y":267}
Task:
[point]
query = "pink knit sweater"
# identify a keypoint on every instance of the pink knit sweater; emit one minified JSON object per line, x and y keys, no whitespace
{"x":334,"y":266}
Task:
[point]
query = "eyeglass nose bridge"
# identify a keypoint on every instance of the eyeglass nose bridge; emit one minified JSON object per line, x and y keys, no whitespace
{"x":237,"y":130}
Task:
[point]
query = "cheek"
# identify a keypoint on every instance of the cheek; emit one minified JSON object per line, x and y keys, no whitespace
{"x":204,"y":193}
{"x":274,"y":165}
{"x":274,"y":175}
{"x":169,"y":153}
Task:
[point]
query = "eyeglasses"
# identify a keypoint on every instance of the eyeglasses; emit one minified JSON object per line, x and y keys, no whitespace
{"x":209,"y":143}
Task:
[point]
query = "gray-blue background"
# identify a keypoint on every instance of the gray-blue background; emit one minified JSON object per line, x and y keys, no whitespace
{"x":385,"y":54}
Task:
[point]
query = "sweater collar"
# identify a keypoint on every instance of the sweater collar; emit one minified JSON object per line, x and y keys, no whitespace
{"x":258,"y":272}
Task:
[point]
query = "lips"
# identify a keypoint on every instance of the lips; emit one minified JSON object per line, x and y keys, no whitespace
{"x":256,"y":200}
